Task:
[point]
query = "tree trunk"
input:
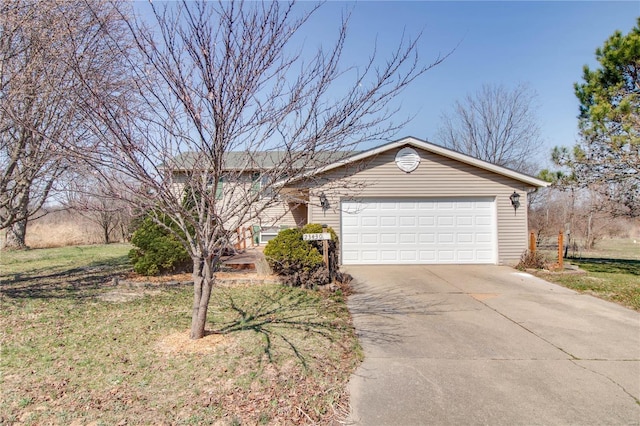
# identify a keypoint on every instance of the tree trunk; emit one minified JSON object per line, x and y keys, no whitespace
{"x":590,"y":238}
{"x":124,"y":234}
{"x":15,"y":237}
{"x":105,"y":229}
{"x":203,"y":280}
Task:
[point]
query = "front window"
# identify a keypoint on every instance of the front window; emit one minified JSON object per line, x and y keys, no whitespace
{"x":261,"y":184}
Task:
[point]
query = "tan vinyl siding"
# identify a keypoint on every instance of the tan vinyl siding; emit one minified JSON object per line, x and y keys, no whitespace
{"x":436,"y":176}
{"x":283,"y":214}
{"x":279,"y":214}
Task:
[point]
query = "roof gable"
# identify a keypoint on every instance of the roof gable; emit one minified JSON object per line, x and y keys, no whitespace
{"x":436,"y":149}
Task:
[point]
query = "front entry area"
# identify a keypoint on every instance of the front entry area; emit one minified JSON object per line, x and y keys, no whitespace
{"x":419,"y":231}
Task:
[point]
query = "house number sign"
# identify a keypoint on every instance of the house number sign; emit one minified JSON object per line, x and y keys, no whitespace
{"x":316,"y":237}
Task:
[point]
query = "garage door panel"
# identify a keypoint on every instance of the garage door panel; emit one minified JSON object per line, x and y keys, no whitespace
{"x":407,"y":221}
{"x":445,"y":238}
{"x":426,"y":206}
{"x":484,"y":220}
{"x":369,"y":239}
{"x":370,"y":255}
{"x":426,"y":221}
{"x":445,"y":255}
{"x":484,"y":238}
{"x":408,"y":255}
{"x":445,"y":205}
{"x":369,"y":221}
{"x":350,"y":238}
{"x":464,"y":221}
{"x":445,"y":221}
{"x":465,"y":256}
{"x":484,"y":255}
{"x":429,"y":238}
{"x":387,"y":221}
{"x":464,"y":238}
{"x":428,"y":256}
{"x":406,"y":206}
{"x":407,"y":239}
{"x":350,"y":256}
{"x":389,"y":238}
{"x":349,"y":220}
{"x":419,"y":231}
{"x":389,"y":255}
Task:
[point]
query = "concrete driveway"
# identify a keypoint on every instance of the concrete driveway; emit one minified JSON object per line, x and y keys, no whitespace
{"x":489,"y":345}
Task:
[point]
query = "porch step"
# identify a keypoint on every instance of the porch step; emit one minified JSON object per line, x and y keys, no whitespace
{"x":249,"y":260}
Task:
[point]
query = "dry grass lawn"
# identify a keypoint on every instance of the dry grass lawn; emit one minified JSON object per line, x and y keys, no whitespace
{"x":612,"y":272}
{"x":77,"y":350}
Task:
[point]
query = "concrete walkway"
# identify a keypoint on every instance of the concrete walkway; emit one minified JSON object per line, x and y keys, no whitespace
{"x":489,"y":345}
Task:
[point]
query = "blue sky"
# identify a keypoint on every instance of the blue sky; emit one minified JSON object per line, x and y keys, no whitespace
{"x":543,"y":44}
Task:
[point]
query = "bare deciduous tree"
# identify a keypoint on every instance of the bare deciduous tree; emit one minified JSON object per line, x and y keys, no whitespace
{"x":495,"y":124}
{"x":43,"y":45}
{"x":235,"y":109}
{"x":90,"y":197}
{"x":581,"y":214}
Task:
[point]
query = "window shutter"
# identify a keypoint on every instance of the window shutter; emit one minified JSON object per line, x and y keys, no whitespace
{"x":255,"y":183}
{"x":219,"y":191}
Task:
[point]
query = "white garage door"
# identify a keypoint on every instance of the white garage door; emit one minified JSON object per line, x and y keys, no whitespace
{"x":386,"y":231}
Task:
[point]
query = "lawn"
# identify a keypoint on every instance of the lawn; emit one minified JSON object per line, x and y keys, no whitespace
{"x":612,"y":272}
{"x":77,"y":350}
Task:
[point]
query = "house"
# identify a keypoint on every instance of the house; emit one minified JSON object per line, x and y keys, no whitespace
{"x":410,"y":202}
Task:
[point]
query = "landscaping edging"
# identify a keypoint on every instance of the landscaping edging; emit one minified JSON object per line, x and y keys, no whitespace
{"x":223,"y":282}
{"x":567,"y":270}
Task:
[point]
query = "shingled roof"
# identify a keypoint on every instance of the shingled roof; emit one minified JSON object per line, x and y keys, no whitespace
{"x":262,"y":160}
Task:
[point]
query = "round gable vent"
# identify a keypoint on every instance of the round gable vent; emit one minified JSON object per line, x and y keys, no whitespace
{"x":407,"y":159}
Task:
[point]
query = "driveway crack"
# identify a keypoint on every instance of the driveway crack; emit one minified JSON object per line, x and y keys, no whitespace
{"x":519,"y":324}
{"x":608,"y":378}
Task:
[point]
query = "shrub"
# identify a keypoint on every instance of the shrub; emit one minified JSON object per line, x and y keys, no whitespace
{"x":532,"y":260}
{"x":297,"y":261}
{"x":156,"y":249}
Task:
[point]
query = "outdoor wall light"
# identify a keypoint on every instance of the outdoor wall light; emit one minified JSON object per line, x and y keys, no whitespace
{"x":324,"y":202}
{"x":515,"y":200}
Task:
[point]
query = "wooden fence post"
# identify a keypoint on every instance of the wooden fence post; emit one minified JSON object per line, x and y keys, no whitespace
{"x":325,"y":248}
{"x":560,"y":249}
{"x":244,"y":238}
{"x":238,"y":243}
{"x":532,"y":242}
{"x":252,"y":236}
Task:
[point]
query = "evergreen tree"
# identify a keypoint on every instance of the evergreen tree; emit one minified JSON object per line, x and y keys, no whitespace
{"x":608,"y":153}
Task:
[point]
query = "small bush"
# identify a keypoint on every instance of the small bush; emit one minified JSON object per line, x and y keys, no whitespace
{"x":532,"y":260}
{"x":156,"y":250}
{"x":297,"y":261}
